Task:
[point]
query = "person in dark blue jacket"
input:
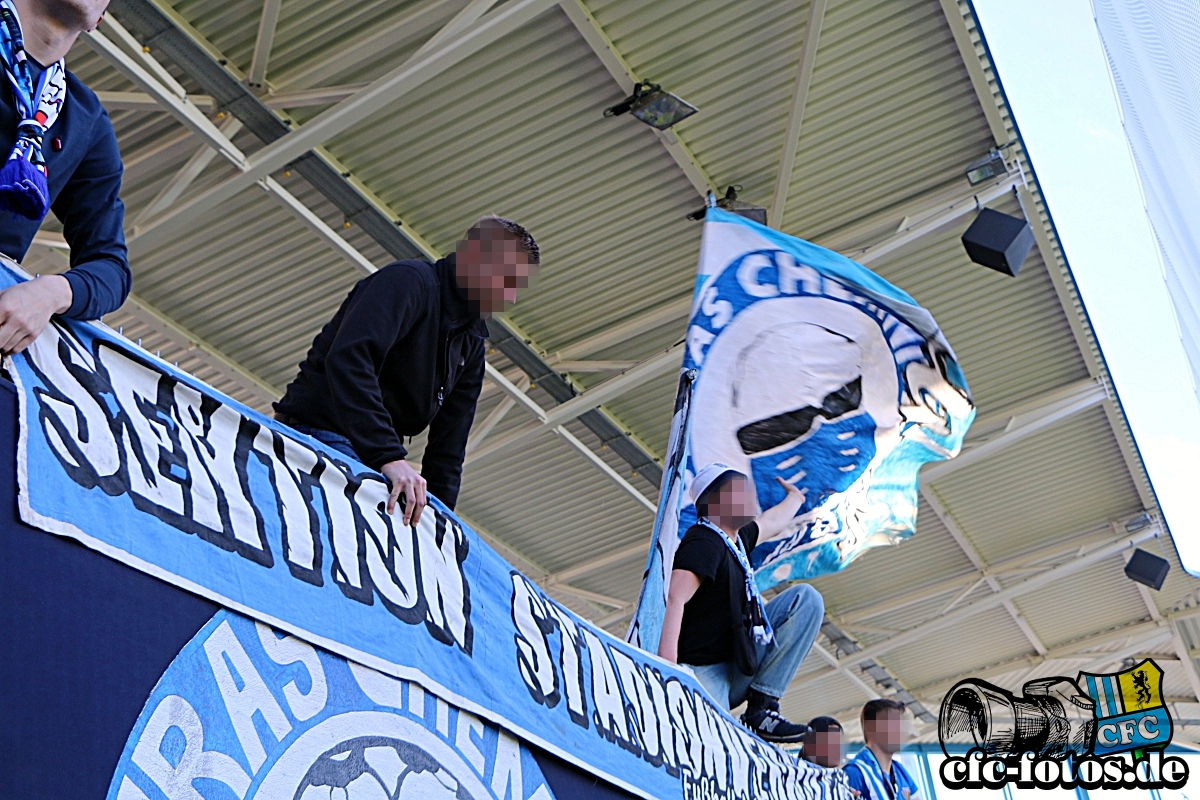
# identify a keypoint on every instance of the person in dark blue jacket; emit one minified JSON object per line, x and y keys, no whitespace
{"x":80,"y":167}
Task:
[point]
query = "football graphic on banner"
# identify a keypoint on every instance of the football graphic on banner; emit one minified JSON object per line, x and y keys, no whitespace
{"x":330,"y":728}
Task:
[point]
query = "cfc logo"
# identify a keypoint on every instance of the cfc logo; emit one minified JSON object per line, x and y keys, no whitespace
{"x":1096,"y":730}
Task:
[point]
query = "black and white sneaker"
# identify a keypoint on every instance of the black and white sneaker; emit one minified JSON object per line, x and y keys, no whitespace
{"x":768,"y":724}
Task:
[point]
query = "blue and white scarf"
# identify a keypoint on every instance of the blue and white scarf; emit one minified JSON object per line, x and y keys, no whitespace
{"x":24,"y":179}
{"x":760,"y":627}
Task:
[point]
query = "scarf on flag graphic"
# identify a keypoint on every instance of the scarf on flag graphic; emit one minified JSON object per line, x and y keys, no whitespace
{"x":24,"y":179}
{"x":803,"y":365}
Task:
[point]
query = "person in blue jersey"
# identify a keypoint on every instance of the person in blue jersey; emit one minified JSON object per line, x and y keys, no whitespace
{"x":874,"y":774}
{"x":60,"y":154}
{"x":739,"y":647}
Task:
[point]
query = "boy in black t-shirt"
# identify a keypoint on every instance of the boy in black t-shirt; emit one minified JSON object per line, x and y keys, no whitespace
{"x":716,"y":622}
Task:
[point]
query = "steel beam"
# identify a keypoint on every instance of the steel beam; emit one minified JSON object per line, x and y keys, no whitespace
{"x":594,"y":366}
{"x":922,"y":226}
{"x":995,"y":600}
{"x":181,"y":180}
{"x":185,"y":340}
{"x":623,"y":74}
{"x":376,"y":96}
{"x":177,"y":104}
{"x":301,"y":98}
{"x":881,"y":675}
{"x":961,"y":19}
{"x":951,"y":524}
{"x":1186,"y":659}
{"x":597,"y":564}
{"x":581,"y":404}
{"x":161,"y":27}
{"x":539,"y":574}
{"x":920,"y":223}
{"x":791,"y":136}
{"x":1017,"y":590}
{"x":506,"y":404}
{"x":604,"y":467}
{"x":1085,"y":340}
{"x":1106,"y":659}
{"x":143,"y":56}
{"x":470,"y":14}
{"x":664,"y":314}
{"x":263,"y":42}
{"x":414,"y":25}
{"x":518,"y":396}
{"x":846,"y":672}
{"x":957,"y":21}
{"x":1027,"y":420}
{"x":1072,"y":651}
{"x":1012,"y":566}
{"x":191,"y":117}
{"x":140,"y":101}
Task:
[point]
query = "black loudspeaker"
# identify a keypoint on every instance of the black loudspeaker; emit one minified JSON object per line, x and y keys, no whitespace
{"x":998,"y":241}
{"x":1147,"y":568}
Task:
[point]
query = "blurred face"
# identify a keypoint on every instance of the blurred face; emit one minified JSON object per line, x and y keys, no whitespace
{"x":80,"y":15}
{"x":888,"y":731}
{"x":732,"y":503}
{"x":491,"y":268}
{"x":824,"y":749}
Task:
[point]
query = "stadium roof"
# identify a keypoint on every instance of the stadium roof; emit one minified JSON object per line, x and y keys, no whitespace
{"x":275,"y":153}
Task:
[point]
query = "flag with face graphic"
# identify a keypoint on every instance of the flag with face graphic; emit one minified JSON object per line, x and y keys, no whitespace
{"x":805,"y":366}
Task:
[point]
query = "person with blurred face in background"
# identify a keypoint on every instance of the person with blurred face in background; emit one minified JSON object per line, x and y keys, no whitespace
{"x":823,"y":742}
{"x":739,"y":647}
{"x":405,"y":353}
{"x":57,"y":152}
{"x":874,"y":774}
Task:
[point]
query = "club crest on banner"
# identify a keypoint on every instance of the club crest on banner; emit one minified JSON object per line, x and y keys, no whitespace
{"x":1130,"y":713}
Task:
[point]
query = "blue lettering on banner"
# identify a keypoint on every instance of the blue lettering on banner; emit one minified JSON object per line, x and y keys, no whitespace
{"x":153,"y":468}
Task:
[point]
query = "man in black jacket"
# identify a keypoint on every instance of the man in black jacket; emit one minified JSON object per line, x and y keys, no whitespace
{"x":405,"y":352}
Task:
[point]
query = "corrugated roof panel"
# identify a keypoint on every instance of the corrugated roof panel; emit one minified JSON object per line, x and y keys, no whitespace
{"x":1054,"y":482}
{"x":1064,"y":610}
{"x":991,"y":636}
{"x":930,"y":556}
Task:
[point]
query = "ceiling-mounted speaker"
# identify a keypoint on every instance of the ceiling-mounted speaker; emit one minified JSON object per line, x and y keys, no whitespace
{"x":998,"y":241}
{"x":1147,"y":568}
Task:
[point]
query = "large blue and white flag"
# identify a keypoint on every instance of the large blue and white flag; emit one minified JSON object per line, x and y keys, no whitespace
{"x":804,"y":365}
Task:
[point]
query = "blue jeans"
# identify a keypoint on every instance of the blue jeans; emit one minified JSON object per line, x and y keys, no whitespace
{"x":796,"y":615}
{"x":334,"y":440}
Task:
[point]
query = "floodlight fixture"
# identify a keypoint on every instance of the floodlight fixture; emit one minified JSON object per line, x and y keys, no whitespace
{"x":731,"y":203}
{"x":984,"y":169}
{"x":652,"y":105}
